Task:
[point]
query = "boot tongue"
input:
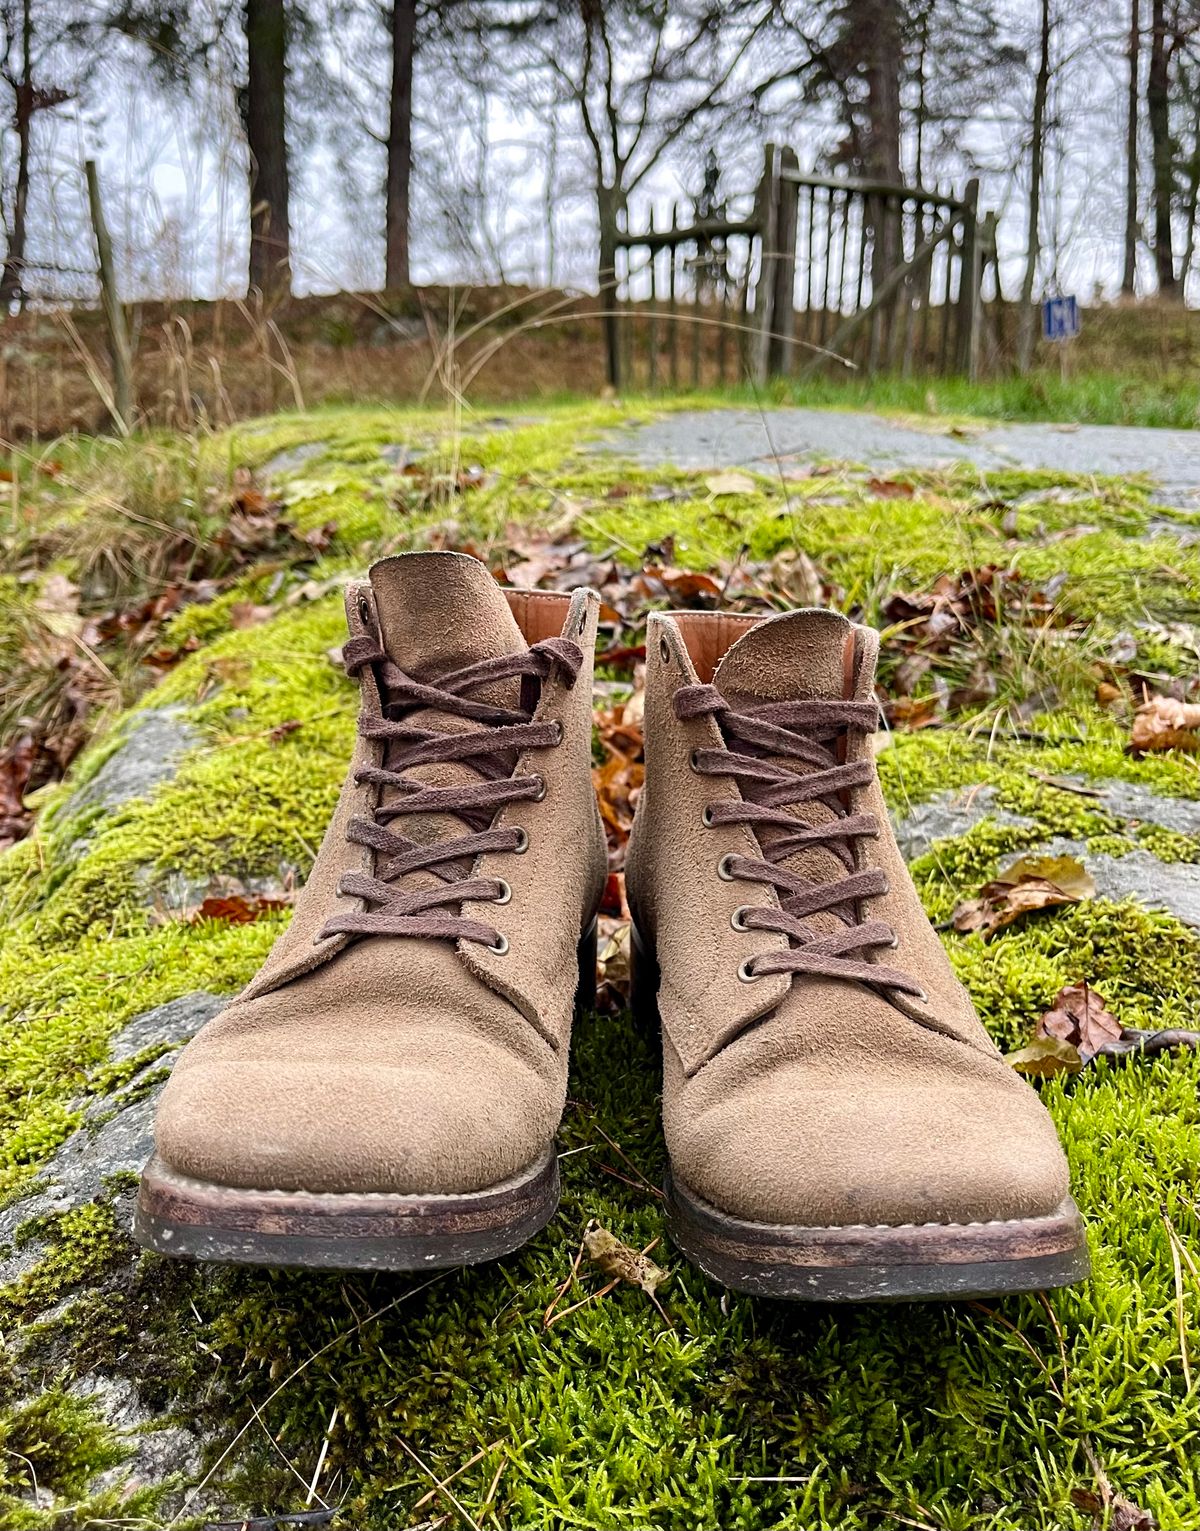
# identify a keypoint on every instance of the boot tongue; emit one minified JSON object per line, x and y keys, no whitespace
{"x":802,"y":656}
{"x":439,"y":612}
{"x":442,"y":611}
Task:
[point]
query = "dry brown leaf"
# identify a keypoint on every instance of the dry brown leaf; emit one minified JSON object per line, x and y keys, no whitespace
{"x":620,"y":1263}
{"x":1162,"y":723}
{"x":238,"y":909}
{"x":1079,"y":1017}
{"x":244,"y":614}
{"x":1031,"y":883}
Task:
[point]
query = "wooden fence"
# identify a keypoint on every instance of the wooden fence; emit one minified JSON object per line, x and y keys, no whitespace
{"x":821,"y":272}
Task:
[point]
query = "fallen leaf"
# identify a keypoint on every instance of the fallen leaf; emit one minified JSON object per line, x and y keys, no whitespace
{"x":1079,"y":1017}
{"x":733,"y":482}
{"x":244,"y":614}
{"x":1108,"y":695}
{"x":620,"y":1263}
{"x":889,"y":489}
{"x":1162,"y":723}
{"x":282,"y":730}
{"x":1031,"y":883}
{"x":1079,"y":1028}
{"x":237,"y":909}
{"x":1045,"y":1057}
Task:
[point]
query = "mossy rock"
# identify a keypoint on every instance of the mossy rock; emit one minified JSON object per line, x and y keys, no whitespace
{"x":135,"y":1390}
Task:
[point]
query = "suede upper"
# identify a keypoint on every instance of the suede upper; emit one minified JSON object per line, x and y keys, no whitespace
{"x":801,"y":1099}
{"x":383,"y":1063}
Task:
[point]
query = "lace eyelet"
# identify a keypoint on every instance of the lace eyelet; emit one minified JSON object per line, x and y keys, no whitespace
{"x":522,"y":844}
{"x":724,"y":871}
{"x":746,"y":973}
{"x":364,"y":611}
{"x":560,"y":733}
{"x":694,"y":761}
{"x":894,"y":942}
{"x":706,"y":817}
{"x":921,"y":997}
{"x":738,"y":918}
{"x":664,"y":650}
{"x":505,"y":893}
{"x":498,"y":947}
{"x":541,"y":789}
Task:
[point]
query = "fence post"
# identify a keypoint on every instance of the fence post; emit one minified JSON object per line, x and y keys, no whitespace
{"x":766,"y":209}
{"x":968,"y":286}
{"x":783,"y":279}
{"x":118,"y":334}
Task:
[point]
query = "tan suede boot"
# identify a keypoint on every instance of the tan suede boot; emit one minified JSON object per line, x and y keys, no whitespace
{"x":386,"y":1092}
{"x":839,"y":1125}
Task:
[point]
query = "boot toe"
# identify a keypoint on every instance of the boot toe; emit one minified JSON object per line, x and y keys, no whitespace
{"x":417,"y":1127}
{"x":791,"y":1154}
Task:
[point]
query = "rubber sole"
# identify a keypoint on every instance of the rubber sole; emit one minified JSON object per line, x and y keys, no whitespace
{"x":913,"y":1263}
{"x":194,"y":1219}
{"x":909,"y":1263}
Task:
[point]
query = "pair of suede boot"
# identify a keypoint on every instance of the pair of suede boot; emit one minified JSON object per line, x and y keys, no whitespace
{"x":386,"y":1092}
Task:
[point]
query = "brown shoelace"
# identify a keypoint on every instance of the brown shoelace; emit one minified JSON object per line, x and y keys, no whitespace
{"x":807,"y":732}
{"x":492,"y":751}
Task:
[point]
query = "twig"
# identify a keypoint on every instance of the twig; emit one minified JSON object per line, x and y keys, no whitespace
{"x":617,"y":1149}
{"x":583,"y":1302}
{"x":1062,"y":1344}
{"x":439,"y":1487}
{"x":458,"y":1471}
{"x":1012,"y":1328}
{"x":547,"y":1316}
{"x":1062,"y":785}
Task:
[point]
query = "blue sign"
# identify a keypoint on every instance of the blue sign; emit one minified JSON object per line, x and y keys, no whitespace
{"x":1060,"y":318}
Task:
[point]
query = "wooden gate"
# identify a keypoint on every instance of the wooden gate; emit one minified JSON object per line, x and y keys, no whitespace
{"x":821,"y":272}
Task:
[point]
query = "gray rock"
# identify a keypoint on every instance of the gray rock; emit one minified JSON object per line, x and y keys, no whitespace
{"x":1170,"y":885}
{"x":292,"y":458}
{"x":156,"y":1451}
{"x":947,"y":815}
{"x":398,"y":454}
{"x":171,"y":1024}
{"x":1134,"y":803}
{"x":153,"y":743}
{"x":761,"y":439}
{"x":115,"y":1138}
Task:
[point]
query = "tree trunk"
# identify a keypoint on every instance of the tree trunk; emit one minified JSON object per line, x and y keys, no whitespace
{"x":12,"y":279}
{"x":608,"y":201}
{"x":399,"y":147}
{"x":1129,"y":271}
{"x":1041,"y":90}
{"x":1158,"y":108}
{"x":884,"y":54}
{"x":266,"y":48}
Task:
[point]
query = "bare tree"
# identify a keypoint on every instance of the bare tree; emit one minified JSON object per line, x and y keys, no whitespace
{"x":1158,"y":110}
{"x":1037,"y":152}
{"x":19,"y":69}
{"x":264,"y":115}
{"x":1132,"y":116}
{"x":399,"y":143}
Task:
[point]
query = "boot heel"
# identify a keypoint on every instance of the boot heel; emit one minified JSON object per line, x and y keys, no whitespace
{"x":643,"y":983}
{"x":585,"y":991}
